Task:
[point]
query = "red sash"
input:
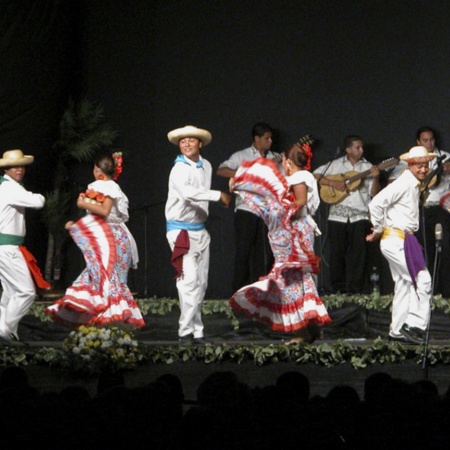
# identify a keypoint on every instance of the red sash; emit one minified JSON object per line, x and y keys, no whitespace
{"x":34,"y":268}
{"x":181,"y":248}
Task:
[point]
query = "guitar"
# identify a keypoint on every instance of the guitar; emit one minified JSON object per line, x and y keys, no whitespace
{"x":307,"y":139}
{"x":352,"y":180}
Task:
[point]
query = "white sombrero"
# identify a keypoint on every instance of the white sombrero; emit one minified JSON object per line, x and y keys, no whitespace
{"x":418,"y":155}
{"x":174,"y":136}
{"x":13,"y":158}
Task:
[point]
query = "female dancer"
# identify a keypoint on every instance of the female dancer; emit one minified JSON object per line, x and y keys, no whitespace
{"x":100,"y":295}
{"x":287,"y":298}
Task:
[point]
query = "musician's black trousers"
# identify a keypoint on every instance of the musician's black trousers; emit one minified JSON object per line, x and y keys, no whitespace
{"x":431,"y":216}
{"x":254,"y":257}
{"x":350,"y":261}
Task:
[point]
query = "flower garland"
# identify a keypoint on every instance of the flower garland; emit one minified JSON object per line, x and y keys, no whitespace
{"x":93,"y":197}
{"x":118,"y":160}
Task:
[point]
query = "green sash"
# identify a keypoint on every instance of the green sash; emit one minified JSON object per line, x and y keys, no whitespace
{"x":11,"y":239}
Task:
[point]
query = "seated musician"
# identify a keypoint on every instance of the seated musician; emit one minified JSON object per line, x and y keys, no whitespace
{"x":348,"y":218}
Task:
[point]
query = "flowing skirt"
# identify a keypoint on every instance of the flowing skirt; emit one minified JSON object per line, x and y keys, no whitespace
{"x":286,"y":299}
{"x":100,"y":295}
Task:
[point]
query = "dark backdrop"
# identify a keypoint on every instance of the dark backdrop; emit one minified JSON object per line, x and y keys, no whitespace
{"x":375,"y":68}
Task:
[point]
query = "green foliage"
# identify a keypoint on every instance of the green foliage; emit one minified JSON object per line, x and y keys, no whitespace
{"x":327,"y":354}
{"x":83,"y":131}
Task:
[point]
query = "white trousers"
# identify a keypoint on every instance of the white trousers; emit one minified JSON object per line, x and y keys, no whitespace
{"x":193,"y":282}
{"x":18,"y":288}
{"x":409,"y":306}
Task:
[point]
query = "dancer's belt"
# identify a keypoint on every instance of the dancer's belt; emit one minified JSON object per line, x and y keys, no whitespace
{"x":189,"y":226}
{"x":394,"y":232}
{"x":11,"y":239}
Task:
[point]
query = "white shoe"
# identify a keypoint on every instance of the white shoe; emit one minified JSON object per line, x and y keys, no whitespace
{"x":10,"y":340}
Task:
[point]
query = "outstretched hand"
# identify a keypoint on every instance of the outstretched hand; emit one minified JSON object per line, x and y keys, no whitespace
{"x":225,"y":199}
{"x":231,"y":184}
{"x":372,"y":237}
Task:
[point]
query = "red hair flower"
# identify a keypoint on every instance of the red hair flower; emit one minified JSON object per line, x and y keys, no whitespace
{"x":117,"y":156}
{"x":307,"y":151}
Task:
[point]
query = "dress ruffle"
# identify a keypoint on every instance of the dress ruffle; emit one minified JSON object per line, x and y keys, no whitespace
{"x":100,"y":295}
{"x":286,"y":299}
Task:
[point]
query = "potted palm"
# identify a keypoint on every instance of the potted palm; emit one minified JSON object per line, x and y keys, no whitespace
{"x":82,"y":131}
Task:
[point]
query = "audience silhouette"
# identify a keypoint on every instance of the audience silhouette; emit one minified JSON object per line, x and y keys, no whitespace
{"x":226,"y":415}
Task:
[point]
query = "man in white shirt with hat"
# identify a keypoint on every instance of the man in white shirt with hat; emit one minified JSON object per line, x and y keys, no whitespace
{"x":431,"y":212}
{"x":186,"y":214}
{"x":394,"y":213}
{"x":17,"y":282}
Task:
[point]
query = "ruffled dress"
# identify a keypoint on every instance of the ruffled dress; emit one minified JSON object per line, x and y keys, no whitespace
{"x":100,"y":295}
{"x":286,"y":298}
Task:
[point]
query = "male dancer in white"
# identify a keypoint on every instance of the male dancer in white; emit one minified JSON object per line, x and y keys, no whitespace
{"x":186,"y":213}
{"x":394,"y":213}
{"x":18,"y":285}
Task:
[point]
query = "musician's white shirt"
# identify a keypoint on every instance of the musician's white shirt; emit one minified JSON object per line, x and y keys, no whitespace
{"x":355,"y":206}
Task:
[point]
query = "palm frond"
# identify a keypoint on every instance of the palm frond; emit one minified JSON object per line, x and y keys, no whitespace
{"x":56,"y":210}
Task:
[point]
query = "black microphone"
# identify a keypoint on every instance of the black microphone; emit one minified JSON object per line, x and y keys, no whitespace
{"x":438,"y":232}
{"x":440,"y":159}
{"x":338,"y":152}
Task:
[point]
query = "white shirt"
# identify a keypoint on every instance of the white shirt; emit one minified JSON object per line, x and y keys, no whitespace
{"x":14,"y":198}
{"x":189,"y":192}
{"x":313,"y":199}
{"x":353,"y":207}
{"x":119,"y":211}
{"x":235,"y":161}
{"x":397,"y":205}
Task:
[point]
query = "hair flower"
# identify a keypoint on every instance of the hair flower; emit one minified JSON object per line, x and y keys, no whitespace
{"x":118,"y":160}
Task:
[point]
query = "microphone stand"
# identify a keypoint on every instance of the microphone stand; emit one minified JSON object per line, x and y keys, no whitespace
{"x":427,"y":334}
{"x":325,"y":170}
{"x":322,"y":244}
{"x":437,"y":171}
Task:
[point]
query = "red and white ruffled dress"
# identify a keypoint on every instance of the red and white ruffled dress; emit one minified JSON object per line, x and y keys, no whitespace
{"x":286,"y":299}
{"x":100,"y":295}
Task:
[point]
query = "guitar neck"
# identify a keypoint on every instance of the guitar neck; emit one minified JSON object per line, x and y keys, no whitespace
{"x":359,"y":176}
{"x":384,"y":165}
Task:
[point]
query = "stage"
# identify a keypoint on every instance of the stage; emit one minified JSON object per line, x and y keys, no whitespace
{"x":353,"y":347}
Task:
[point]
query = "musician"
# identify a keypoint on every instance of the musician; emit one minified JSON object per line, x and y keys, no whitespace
{"x":431,"y":213}
{"x":395,"y":217}
{"x":253,"y":255}
{"x":348,"y":220}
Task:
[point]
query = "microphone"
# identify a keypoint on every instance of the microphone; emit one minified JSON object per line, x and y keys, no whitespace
{"x":438,"y":232}
{"x":338,"y":152}
{"x":440,"y":159}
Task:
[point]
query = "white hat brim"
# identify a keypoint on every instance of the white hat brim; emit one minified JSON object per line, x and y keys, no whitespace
{"x":176,"y":135}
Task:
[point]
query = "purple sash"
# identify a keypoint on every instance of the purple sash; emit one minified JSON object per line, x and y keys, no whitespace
{"x":414,"y":256}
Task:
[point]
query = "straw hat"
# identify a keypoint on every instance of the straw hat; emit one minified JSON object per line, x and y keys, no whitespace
{"x":13,"y":158}
{"x":418,"y":155}
{"x":175,"y":136}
